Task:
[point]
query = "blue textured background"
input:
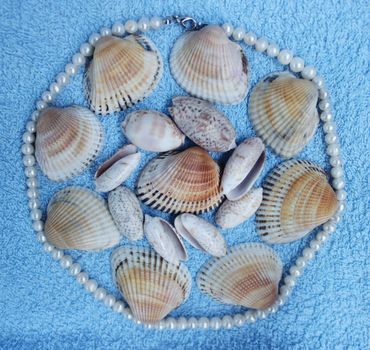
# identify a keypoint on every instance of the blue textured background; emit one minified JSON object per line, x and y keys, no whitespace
{"x":41,"y":306}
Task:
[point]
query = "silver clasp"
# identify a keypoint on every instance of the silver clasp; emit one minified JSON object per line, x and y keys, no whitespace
{"x":187,"y":22}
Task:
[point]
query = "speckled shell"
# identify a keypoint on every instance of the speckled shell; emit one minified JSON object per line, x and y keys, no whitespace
{"x":67,"y":141}
{"x":79,"y":219}
{"x":150,"y":285}
{"x":122,"y":72}
{"x":248,"y":275}
{"x":282,"y":109}
{"x":296,"y":198}
{"x":203,"y":124}
{"x":152,"y":131}
{"x":210,"y":66}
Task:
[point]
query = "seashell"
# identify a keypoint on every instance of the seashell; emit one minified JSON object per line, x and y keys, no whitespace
{"x":67,"y":141}
{"x":243,"y":168}
{"x":201,"y":234}
{"x":122,"y":72}
{"x":126,"y":213}
{"x":117,"y":169}
{"x":178,"y":182}
{"x":210,"y":66}
{"x":152,"y":131}
{"x":79,"y":219}
{"x":296,"y":198}
{"x":203,"y":124}
{"x":151,"y":286}
{"x":283,"y":111}
{"x":248,"y":275}
{"x":233,"y":213}
{"x":164,"y":239}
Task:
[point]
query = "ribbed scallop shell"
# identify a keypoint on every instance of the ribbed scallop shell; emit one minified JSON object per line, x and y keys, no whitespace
{"x":122,"y":72}
{"x":210,"y":66}
{"x":282,"y":109}
{"x":296,"y":198}
{"x":248,"y":275}
{"x":79,"y":219}
{"x":67,"y":141}
{"x":187,"y":181}
{"x":151,"y":286}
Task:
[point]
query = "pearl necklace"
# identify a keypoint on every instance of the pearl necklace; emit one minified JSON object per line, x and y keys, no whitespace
{"x":286,"y":58}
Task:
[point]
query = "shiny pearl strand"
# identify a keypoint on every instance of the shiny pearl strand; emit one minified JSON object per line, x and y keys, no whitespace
{"x":285,"y":57}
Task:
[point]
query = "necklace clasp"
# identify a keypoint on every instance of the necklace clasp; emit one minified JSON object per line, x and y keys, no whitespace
{"x":187,"y":22}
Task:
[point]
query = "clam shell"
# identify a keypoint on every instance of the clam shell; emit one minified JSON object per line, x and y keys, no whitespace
{"x":178,"y":182}
{"x":122,"y":72}
{"x":283,"y":111}
{"x":248,"y":276}
{"x":296,"y":198}
{"x":67,"y":141}
{"x":126,"y":213}
{"x":210,"y":66}
{"x":201,"y":234}
{"x":243,"y":168}
{"x":79,"y":219}
{"x":151,"y":286}
{"x":152,"y":131}
{"x":203,"y":124}
{"x":233,"y":213}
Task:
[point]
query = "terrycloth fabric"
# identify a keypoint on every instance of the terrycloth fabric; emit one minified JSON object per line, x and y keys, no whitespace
{"x":42,"y":306}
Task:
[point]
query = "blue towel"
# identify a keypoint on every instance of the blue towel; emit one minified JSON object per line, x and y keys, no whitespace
{"x":42,"y":306}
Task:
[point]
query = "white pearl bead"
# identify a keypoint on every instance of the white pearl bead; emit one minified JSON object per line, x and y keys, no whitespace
{"x":71,"y":69}
{"x":285,"y":291}
{"x":285,"y":56}
{"x":143,"y":24}
{"x":118,"y":306}
{"x":75,"y":269}
{"x":48,"y":247}
{"x":40,"y":105}
{"x":82,"y":277}
{"x":55,"y":88}
{"x":295,"y":271}
{"x":328,"y":227}
{"x":227,"y":322}
{"x":238,"y":320}
{"x":41,"y":237}
{"x":47,"y":96}
{"x":32,"y":193}
{"x":290,"y":281}
{"x":109,"y":300}
{"x":127,"y":313}
{"x":323,"y":94}
{"x":182,"y":323}
{"x":296,"y":64}
{"x":315,"y":245}
{"x":326,"y":116}
{"x":273,"y":50}
{"x":324,"y":105}
{"x":66,"y":261}
{"x":228,"y":28}
{"x":341,"y":207}
{"x":261,"y":314}
{"x":341,"y":195}
{"x":319,"y":81}
{"x":335,"y":161}
{"x":34,"y":203}
{"x":215,"y":323}
{"x":78,"y":59}
{"x":156,"y":22}
{"x":250,"y":38}
{"x":308,"y":72}
{"x":203,"y":323}
{"x":329,"y":127}
{"x":131,"y":26}
{"x":35,"y":115}
{"x":308,"y":253}
{"x":27,"y":148}
{"x":238,"y":34}
{"x":36,"y":214}
{"x":280,"y":300}
{"x":31,"y":126}
{"x":332,"y":149}
{"x":261,"y":44}
{"x":161,"y":325}
{"x":322,"y":236}
{"x":335,"y":219}
{"x":29,"y":160}
{"x":30,"y":171}
{"x":104,"y":31}
{"x":249,"y":317}
{"x":336,"y":172}
{"x":300,"y":262}
{"x":330,"y":138}
{"x":86,"y":49}
{"x":28,"y":137}
{"x":192,"y":323}
{"x":273,"y":309}
{"x":62,"y":79}
{"x":100,"y":293}
{"x":91,"y":285}
{"x":93,"y":38}
{"x":57,"y":254}
{"x":171,"y":323}
{"x":118,"y":29}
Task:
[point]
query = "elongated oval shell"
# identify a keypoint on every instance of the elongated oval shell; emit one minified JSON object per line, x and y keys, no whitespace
{"x":79,"y":219}
{"x":126,"y":213}
{"x":210,"y":66}
{"x":203,"y":124}
{"x":67,"y":141}
{"x":296,"y":198}
{"x":152,"y":131}
{"x":151,"y":286}
{"x":187,"y":181}
{"x":283,"y":111}
{"x":248,"y":275}
{"x":122,"y":72}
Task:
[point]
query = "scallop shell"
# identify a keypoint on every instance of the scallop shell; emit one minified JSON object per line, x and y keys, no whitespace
{"x":151,"y":286}
{"x":79,"y":219}
{"x":126,"y":212}
{"x":117,"y":169}
{"x":243,"y":168}
{"x":67,"y":141}
{"x":177,"y":182}
{"x":152,"y":131}
{"x":233,"y":213}
{"x":203,"y":124}
{"x":283,"y":111}
{"x":296,"y":198}
{"x":201,"y":234}
{"x":122,"y":72}
{"x":210,"y":66}
{"x":248,"y":276}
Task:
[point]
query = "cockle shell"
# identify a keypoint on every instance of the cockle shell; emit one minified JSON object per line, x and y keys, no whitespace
{"x":203,"y":124}
{"x":126,"y":213}
{"x":122,"y":72}
{"x":233,"y":213}
{"x":201,"y":234}
{"x":282,"y":109}
{"x":152,"y":131}
{"x":296,"y":198}
{"x":151,"y":286}
{"x":67,"y":141}
{"x":178,"y":182}
{"x":248,"y":275}
{"x":117,"y":169}
{"x":79,"y":219}
{"x":243,"y":168}
{"x":210,"y":66}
